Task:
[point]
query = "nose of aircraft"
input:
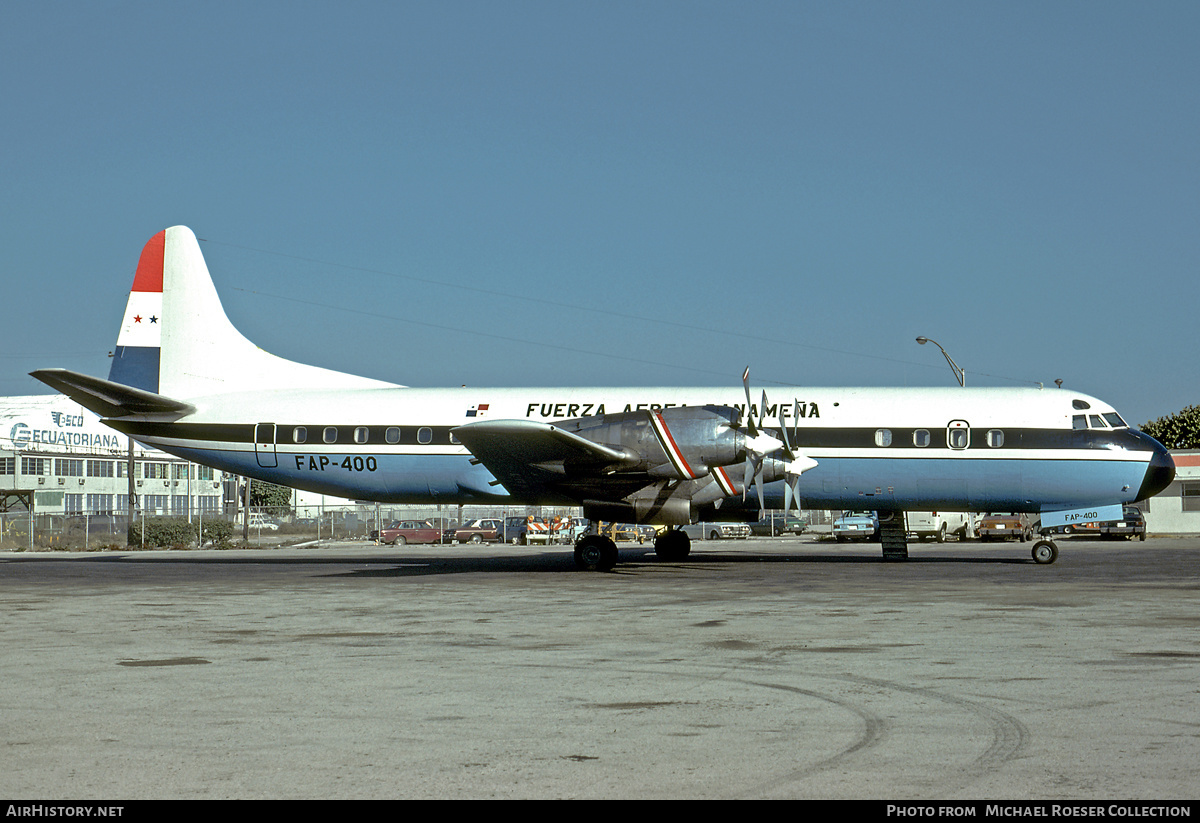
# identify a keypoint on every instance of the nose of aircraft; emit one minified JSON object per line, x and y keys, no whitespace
{"x":1161,"y":469}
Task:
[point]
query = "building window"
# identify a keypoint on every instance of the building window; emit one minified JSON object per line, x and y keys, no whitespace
{"x":34,"y":465}
{"x":204,"y":472}
{"x":99,"y":468}
{"x":1190,"y":489}
{"x":73,"y":504}
{"x":154,"y":471}
{"x":8,"y":465}
{"x":66,"y":467}
{"x":100,"y":504}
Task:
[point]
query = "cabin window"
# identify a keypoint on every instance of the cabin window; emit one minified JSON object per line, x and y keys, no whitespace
{"x":995,"y":438}
{"x":883,"y":437}
{"x":921,"y":438}
{"x":424,"y":435}
{"x":392,"y":435}
{"x":958,"y":434}
{"x":1081,"y":405}
{"x":453,"y":439}
{"x":299,"y":434}
{"x":330,"y":434}
{"x":360,"y":434}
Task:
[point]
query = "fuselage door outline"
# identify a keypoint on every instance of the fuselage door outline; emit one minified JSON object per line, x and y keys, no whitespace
{"x":264,"y":445}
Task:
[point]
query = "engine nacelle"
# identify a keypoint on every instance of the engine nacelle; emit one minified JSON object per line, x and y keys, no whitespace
{"x":681,"y":442}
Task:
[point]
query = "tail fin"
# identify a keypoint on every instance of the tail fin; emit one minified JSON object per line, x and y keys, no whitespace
{"x":176,"y":340}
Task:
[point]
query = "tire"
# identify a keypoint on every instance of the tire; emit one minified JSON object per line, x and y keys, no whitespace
{"x":595,"y":553}
{"x":1044,"y":552}
{"x":399,"y":541}
{"x":672,"y":545}
{"x":714,"y":535}
{"x":941,"y":535}
{"x":476,"y":538}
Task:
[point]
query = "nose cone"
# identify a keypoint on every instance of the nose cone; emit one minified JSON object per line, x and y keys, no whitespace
{"x":1161,"y":470}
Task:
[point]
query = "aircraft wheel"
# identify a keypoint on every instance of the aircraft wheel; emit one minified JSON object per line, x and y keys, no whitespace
{"x":672,"y":545}
{"x":1045,"y":552}
{"x":595,"y":553}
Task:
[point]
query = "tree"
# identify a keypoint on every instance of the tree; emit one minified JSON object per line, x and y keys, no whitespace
{"x":1176,"y":431}
{"x":275,"y":499}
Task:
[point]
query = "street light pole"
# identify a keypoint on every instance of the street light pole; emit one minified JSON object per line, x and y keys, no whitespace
{"x":959,"y":374}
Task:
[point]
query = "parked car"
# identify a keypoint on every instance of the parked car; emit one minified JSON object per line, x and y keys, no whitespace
{"x":515,"y":530}
{"x":776,"y":525}
{"x":937,"y":525}
{"x":856,"y":526}
{"x":401,"y":532}
{"x":996,"y":526}
{"x":484,"y":530}
{"x":1131,"y":524}
{"x":257,"y":521}
{"x":718,"y":531}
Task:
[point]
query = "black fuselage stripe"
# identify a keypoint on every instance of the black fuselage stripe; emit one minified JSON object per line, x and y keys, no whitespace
{"x":800,"y":438}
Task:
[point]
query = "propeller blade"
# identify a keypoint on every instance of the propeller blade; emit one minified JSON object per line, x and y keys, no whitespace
{"x":749,"y":417}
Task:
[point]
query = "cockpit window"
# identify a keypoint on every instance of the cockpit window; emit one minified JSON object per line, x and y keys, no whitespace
{"x":1098,"y":421}
{"x":1115,"y":420}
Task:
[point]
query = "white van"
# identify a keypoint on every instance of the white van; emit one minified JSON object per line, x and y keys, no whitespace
{"x":938,"y":525}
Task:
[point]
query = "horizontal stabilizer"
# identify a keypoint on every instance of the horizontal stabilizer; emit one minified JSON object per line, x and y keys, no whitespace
{"x":109,"y":399}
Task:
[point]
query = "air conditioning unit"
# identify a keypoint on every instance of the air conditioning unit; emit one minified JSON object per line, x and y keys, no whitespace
{"x":139,"y":482}
{"x":41,"y":481}
{"x":81,"y":481}
{"x":62,"y":481}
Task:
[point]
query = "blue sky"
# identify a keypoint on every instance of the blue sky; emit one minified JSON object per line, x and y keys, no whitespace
{"x":624,"y":193}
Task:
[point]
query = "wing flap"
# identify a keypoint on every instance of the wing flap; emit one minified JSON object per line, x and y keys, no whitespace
{"x":109,"y":399}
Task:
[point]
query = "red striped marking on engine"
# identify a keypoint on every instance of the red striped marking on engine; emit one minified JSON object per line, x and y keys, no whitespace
{"x":670,"y":446}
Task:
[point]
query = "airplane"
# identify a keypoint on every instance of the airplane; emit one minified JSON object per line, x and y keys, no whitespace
{"x":185,"y":381}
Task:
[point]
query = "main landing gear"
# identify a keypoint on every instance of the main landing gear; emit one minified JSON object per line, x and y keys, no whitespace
{"x":597,"y":553}
{"x":1044,"y":551}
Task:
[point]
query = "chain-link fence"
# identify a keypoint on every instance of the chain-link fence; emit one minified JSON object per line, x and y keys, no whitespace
{"x":260,"y":526}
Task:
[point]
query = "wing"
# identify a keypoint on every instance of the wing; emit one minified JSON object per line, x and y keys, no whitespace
{"x":531,"y":458}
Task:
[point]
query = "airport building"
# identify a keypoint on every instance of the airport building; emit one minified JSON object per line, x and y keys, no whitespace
{"x":1176,"y":509}
{"x":58,"y":460}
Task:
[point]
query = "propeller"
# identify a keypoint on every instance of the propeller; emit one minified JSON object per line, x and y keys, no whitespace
{"x":760,"y":444}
